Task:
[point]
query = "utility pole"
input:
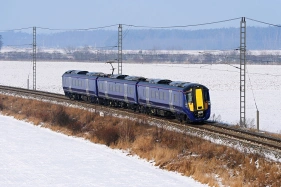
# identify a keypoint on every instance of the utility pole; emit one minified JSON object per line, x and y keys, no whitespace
{"x":34,"y":58}
{"x":120,"y":49}
{"x":243,"y":72}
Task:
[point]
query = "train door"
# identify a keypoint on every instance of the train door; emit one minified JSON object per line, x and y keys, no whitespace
{"x":171,"y":100}
{"x":147,"y":95}
{"x":126,"y":92}
{"x":70,"y":83}
{"x":199,"y":99}
{"x":87,"y":86}
{"x":105,"y":89}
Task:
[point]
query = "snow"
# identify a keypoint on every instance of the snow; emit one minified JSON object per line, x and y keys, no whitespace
{"x":35,"y":156}
{"x":263,"y":84}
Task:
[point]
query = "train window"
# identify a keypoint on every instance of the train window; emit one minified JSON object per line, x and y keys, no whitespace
{"x":152,"y":94}
{"x":189,"y":97}
{"x":176,"y":98}
{"x":144,"y":93}
{"x":101,"y":85}
{"x":206,"y":95}
{"x":166,"y":96}
{"x":116,"y":88}
{"x":132,"y":91}
{"x":161,"y":95}
{"x":156,"y":94}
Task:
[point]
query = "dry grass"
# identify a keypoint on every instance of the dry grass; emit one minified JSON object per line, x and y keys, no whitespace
{"x":191,"y":156}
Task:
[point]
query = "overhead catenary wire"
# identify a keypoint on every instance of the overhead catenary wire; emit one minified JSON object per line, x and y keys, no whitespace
{"x":18,"y":45}
{"x":171,"y":66}
{"x":18,"y":29}
{"x":263,"y":22}
{"x":83,"y":29}
{"x":252,"y":88}
{"x":182,"y":26}
{"x":139,"y":26}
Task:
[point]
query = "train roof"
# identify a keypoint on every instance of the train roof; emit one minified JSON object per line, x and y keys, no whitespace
{"x":181,"y":84}
{"x":159,"y":81}
{"x":135,"y":78}
{"x":117,"y":76}
{"x":80,"y":72}
{"x":76,"y":72}
{"x":97,"y":74}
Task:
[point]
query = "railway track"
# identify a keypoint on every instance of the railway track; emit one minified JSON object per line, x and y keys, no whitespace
{"x":246,"y":138}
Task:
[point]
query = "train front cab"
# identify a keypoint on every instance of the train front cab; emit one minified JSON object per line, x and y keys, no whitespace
{"x":197,"y":103}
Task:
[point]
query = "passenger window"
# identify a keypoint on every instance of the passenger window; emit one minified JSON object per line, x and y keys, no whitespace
{"x":152,"y":94}
{"x":175,"y":98}
{"x":189,"y":97}
{"x":162,"y":95}
{"x":156,"y":94}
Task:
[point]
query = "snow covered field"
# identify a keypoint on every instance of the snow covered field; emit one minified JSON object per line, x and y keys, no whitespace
{"x":264,"y":84}
{"x":35,"y":156}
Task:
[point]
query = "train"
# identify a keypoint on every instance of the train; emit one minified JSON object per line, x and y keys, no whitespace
{"x":185,"y":101}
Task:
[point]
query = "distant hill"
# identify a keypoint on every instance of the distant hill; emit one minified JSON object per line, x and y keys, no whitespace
{"x":258,"y":38}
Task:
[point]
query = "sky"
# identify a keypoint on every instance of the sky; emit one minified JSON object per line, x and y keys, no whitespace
{"x":65,"y":14}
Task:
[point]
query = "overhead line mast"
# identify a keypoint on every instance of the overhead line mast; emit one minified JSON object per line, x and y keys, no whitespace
{"x":120,"y":49}
{"x":243,"y":72}
{"x":34,"y":58}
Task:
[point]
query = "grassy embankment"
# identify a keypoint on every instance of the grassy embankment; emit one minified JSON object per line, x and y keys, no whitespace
{"x":204,"y":161}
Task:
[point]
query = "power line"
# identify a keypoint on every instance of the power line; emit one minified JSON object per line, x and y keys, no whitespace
{"x":125,"y":33}
{"x":182,"y":26}
{"x":252,"y":89}
{"x":264,"y":22}
{"x":8,"y":30}
{"x":18,"y":45}
{"x":268,"y":74}
{"x":93,"y":28}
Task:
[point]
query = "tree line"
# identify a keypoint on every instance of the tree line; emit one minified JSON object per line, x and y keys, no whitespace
{"x":88,"y":54}
{"x":258,"y":38}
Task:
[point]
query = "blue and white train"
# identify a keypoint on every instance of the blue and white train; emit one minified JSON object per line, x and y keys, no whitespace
{"x":185,"y":101}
